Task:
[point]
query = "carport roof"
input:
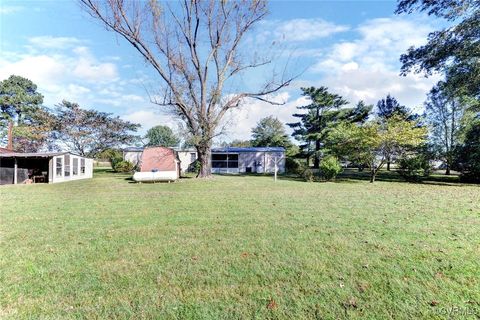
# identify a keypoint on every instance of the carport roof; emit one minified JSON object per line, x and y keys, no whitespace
{"x":32,"y":154}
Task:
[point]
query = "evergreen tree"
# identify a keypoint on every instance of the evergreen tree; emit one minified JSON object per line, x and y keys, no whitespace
{"x":388,"y":107}
{"x":322,"y":114}
{"x":22,"y":112}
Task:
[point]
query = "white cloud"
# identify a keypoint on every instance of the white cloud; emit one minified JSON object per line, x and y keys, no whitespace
{"x":296,"y":30}
{"x":54,"y":42}
{"x":89,"y":69}
{"x":367,"y":68}
{"x":149,"y":118}
{"x":60,"y":73}
{"x":307,"y":29}
{"x":7,"y":9}
{"x":241,"y":121}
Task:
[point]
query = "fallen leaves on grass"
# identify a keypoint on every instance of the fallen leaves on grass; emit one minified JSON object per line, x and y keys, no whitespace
{"x":362,"y":287}
{"x":271,"y":304}
{"x":351,"y":303}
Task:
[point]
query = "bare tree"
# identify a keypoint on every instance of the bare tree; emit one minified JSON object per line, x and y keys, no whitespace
{"x":195,"y":48}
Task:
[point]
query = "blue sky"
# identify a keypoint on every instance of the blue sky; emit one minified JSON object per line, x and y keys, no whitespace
{"x":352,"y":47}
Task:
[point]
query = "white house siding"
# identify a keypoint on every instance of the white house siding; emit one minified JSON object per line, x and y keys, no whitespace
{"x":54,"y":177}
{"x":261,"y":162}
{"x":133,"y":156}
{"x":186,"y":157}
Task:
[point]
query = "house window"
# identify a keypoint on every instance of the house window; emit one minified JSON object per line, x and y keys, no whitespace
{"x":75,"y":166}
{"x":82,"y":166}
{"x":224,"y":160}
{"x":67,"y":165}
{"x":58,"y":166}
{"x":193,"y":157}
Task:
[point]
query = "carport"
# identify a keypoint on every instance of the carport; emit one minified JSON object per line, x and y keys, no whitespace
{"x":48,"y":167}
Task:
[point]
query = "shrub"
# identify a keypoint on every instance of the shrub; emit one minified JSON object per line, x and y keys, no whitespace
{"x":330,"y":167}
{"x":308,"y":175}
{"x":123,"y":166}
{"x":194,"y":166}
{"x":414,"y":168}
{"x":293,"y":166}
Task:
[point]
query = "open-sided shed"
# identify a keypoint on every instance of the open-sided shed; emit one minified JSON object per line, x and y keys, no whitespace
{"x":46,"y":167}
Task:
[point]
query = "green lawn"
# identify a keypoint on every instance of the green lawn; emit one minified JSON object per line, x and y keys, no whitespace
{"x":239,"y":247}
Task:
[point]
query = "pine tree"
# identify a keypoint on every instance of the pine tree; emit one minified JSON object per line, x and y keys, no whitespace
{"x":322,"y":114}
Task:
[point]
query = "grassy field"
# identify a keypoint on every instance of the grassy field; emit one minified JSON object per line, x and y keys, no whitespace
{"x":239,"y":248}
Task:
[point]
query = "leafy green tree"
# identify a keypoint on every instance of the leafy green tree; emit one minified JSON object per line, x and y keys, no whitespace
{"x":89,"y":132}
{"x":444,"y":113}
{"x":468,"y":154}
{"x":389,"y":107}
{"x":162,"y":136}
{"x":22,"y":112}
{"x":324,"y":111}
{"x":453,"y":50}
{"x":372,"y":143}
{"x":238,"y":143}
{"x":270,"y":132}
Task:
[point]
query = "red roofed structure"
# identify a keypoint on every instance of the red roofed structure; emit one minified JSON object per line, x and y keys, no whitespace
{"x":158,"y":164}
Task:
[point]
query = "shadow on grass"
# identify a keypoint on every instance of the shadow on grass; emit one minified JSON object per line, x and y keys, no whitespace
{"x":351,"y":175}
{"x":394,"y":176}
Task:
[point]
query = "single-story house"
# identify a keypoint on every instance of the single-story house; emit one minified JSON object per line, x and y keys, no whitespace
{"x":43,"y":167}
{"x":158,"y":164}
{"x":246,"y":160}
{"x":226,"y":160}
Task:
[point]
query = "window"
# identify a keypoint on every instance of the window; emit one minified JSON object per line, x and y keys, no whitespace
{"x":67,"y":165}
{"x":82,"y":166}
{"x":75,"y":166}
{"x":193,"y":157}
{"x":58,"y":166}
{"x":224,"y":160}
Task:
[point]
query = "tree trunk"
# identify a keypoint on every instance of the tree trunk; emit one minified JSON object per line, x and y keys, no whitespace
{"x":316,"y":163}
{"x":373,"y":173}
{"x":204,"y":157}
{"x":447,"y":170}
{"x":10,"y":136}
{"x":388,"y":164}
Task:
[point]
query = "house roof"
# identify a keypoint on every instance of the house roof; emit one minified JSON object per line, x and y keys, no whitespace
{"x":34,"y":154}
{"x":140,"y":149}
{"x":248,"y":149}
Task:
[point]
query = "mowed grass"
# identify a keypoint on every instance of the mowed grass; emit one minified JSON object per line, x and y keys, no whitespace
{"x":239,"y":247}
